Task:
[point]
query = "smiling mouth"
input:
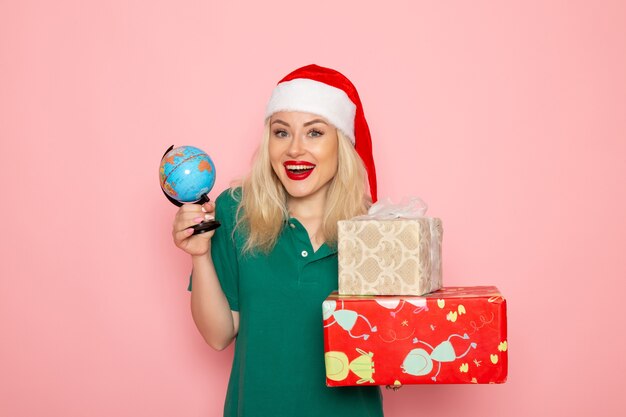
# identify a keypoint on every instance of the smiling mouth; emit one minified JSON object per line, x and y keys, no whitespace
{"x":297,"y":170}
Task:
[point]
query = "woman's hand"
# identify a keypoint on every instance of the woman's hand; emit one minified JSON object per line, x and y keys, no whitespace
{"x":189,"y":215}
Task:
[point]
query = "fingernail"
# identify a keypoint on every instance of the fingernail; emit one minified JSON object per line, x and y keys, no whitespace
{"x":208,"y":217}
{"x":189,"y":231}
{"x":199,"y":219}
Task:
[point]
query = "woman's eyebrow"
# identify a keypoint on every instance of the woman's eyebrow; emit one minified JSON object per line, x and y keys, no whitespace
{"x":312,"y":122}
{"x":280,"y":122}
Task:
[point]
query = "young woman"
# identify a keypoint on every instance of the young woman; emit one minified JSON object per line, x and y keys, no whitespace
{"x":260,"y":279}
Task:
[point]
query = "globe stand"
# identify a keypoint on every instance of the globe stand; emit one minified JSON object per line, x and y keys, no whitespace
{"x":205,"y":225}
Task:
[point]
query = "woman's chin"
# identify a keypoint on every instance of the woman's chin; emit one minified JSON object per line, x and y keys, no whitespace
{"x":302,"y":191}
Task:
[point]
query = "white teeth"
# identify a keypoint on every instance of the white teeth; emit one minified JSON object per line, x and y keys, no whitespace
{"x":299,"y":167}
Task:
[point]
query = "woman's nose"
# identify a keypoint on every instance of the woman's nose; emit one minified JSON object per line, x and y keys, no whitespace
{"x":296,"y":147}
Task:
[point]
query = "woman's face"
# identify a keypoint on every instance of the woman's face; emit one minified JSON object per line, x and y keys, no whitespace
{"x":303,"y":152}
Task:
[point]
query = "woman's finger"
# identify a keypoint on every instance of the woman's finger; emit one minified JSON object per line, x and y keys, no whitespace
{"x":208,"y":207}
{"x":185,"y":213}
{"x":181,"y":235}
{"x":191,"y":219}
{"x":184,"y":224}
{"x":190,"y":207}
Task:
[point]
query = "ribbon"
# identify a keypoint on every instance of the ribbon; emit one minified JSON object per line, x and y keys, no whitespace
{"x":408,"y":208}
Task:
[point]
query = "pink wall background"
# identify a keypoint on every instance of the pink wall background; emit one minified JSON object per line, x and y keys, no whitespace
{"x":509,"y":118}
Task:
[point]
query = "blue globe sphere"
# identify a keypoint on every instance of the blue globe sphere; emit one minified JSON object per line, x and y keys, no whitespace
{"x":186,"y":174}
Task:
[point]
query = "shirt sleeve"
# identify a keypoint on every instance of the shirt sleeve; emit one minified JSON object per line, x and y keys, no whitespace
{"x":224,"y":249}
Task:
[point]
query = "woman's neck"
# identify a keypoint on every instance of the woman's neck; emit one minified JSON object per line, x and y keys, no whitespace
{"x":307,"y":208}
{"x":309,"y":211}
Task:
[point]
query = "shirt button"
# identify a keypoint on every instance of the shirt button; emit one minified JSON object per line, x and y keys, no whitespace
{"x":304,"y":254}
{"x":293,"y":226}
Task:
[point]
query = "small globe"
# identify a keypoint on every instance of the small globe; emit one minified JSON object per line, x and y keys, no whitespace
{"x":186,"y":174}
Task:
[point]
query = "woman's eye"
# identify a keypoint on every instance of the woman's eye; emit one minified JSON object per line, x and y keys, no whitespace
{"x":314,"y":133}
{"x":279,"y":133}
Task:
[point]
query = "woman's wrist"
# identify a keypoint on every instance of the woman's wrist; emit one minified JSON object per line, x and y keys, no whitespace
{"x":201,"y":258}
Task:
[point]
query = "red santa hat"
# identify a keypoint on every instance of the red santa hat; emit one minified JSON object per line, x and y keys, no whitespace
{"x":327,"y":93}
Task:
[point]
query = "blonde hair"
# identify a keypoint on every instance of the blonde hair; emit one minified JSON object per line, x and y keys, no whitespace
{"x":263,"y":209}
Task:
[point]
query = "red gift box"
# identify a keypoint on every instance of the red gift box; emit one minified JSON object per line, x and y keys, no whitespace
{"x":456,"y":335}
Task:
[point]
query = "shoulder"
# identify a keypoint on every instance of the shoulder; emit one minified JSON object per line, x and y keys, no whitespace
{"x":229,"y":199}
{"x":226,"y":206}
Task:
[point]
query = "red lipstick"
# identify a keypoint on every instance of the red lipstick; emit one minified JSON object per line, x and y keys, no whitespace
{"x":298,"y":170}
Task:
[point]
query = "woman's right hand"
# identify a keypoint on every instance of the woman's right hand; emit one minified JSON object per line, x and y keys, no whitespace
{"x":189,"y":215}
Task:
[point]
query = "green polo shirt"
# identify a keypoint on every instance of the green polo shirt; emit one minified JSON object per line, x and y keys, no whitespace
{"x":278,"y":369}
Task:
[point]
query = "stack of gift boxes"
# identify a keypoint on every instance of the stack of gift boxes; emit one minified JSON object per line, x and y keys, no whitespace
{"x":392,"y":323}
